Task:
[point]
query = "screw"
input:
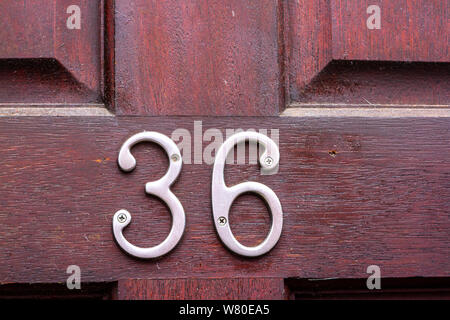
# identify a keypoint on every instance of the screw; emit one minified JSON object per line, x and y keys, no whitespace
{"x":122,"y":217}
{"x":222,"y":221}
{"x":268,"y":161}
{"x":175,"y":157}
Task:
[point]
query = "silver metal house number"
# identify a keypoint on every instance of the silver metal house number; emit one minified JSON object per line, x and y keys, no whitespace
{"x":160,"y":188}
{"x":223,"y":196}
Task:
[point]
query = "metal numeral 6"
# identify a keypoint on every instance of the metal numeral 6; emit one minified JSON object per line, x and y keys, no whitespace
{"x":223,"y":196}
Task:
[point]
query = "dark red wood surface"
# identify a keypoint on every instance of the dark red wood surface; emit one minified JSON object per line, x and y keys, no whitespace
{"x":37,"y":29}
{"x":396,"y":84}
{"x":355,"y":192}
{"x":202,"y":289}
{"x":321,"y":31}
{"x":197,"y":58}
{"x":41,"y":81}
{"x":309,"y":42}
{"x":236,"y":58}
{"x":412,"y":30}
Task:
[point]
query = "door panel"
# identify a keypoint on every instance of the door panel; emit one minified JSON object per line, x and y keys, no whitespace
{"x":412,"y":30}
{"x":372,"y":84}
{"x":56,"y":64}
{"x":324,"y":31}
{"x":199,"y":58}
{"x":308,"y":41}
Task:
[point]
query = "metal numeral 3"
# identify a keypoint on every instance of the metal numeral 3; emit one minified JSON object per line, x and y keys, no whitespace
{"x":159,"y":188}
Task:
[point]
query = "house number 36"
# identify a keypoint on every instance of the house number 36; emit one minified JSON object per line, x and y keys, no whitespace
{"x":222,"y":195}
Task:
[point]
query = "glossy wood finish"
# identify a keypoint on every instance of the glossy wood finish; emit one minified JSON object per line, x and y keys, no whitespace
{"x":202,"y":289}
{"x":41,"y":81}
{"x":375,"y":84}
{"x":197,"y":58}
{"x":325,"y":30}
{"x":309,"y":42}
{"x":355,"y":192}
{"x":412,"y":30}
{"x":220,"y":58}
{"x":37,"y":29}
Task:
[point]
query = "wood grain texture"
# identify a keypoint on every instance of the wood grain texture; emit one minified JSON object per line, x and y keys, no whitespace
{"x":41,"y":81}
{"x":202,"y":289}
{"x":355,"y":192}
{"x":375,"y":82}
{"x":309,"y":43}
{"x":80,"y":51}
{"x":411,"y":30}
{"x":109,"y":55}
{"x":20,"y":24}
{"x":197,"y":57}
{"x":37,"y":29}
{"x":319,"y":32}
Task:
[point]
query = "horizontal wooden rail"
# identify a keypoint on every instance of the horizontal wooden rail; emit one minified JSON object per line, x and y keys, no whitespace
{"x":355,"y":192}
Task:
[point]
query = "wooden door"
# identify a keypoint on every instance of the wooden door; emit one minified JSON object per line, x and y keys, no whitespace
{"x":356,"y":93}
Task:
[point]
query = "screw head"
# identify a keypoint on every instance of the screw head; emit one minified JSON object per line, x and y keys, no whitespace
{"x":268,"y":161}
{"x":122,"y":217}
{"x":222,"y":221}
{"x":175,"y":157}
